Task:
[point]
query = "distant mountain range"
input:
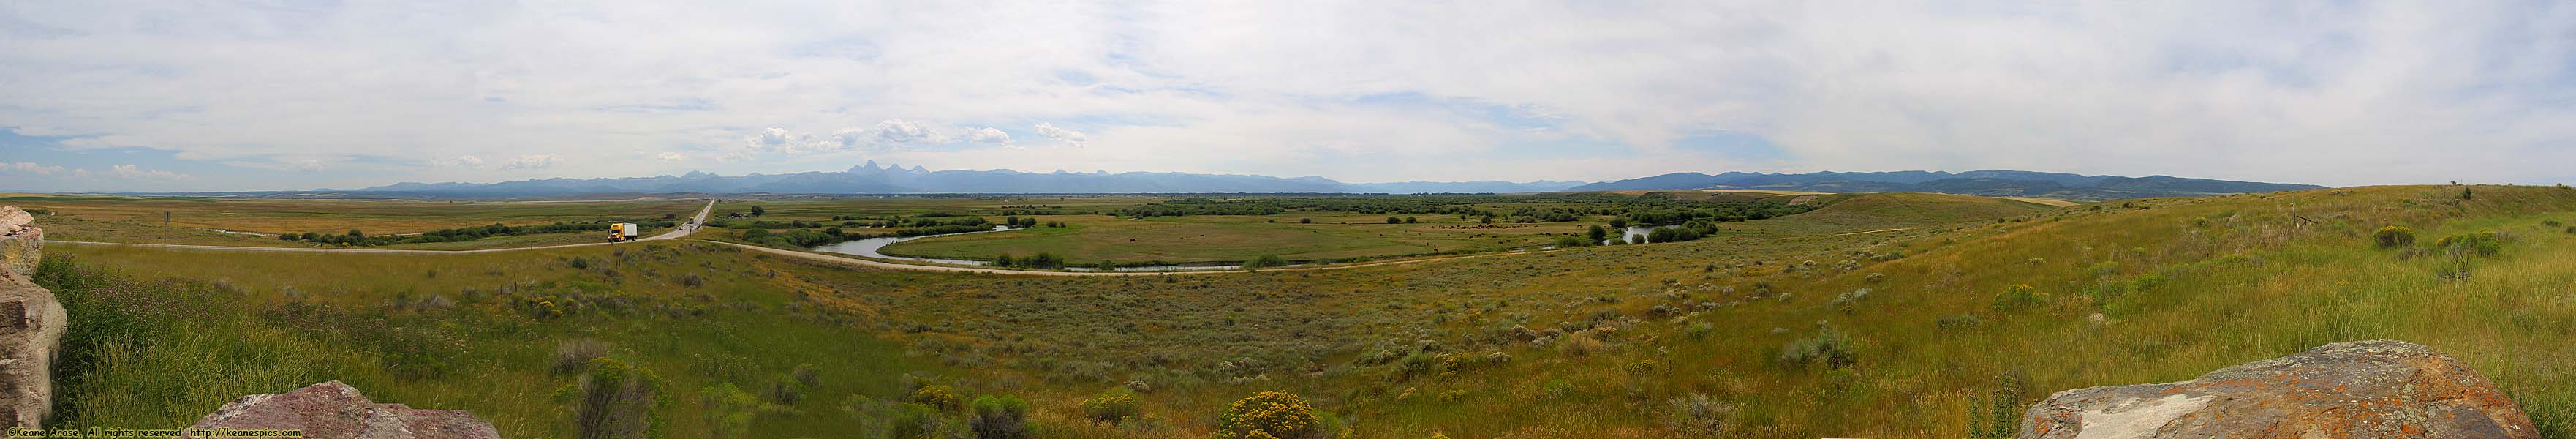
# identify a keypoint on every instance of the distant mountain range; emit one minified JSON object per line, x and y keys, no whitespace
{"x":870,"y":178}
{"x":1995,"y":183}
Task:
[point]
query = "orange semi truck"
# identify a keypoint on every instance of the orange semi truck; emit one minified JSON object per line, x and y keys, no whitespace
{"x":621,"y":232}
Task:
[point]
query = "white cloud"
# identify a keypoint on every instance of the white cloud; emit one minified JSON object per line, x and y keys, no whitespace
{"x":30,"y":168}
{"x":132,"y":172}
{"x":674,"y":157}
{"x":988,"y":135}
{"x":531,"y":161}
{"x":1069,"y":137}
{"x":2307,"y":92}
{"x":462,"y":160}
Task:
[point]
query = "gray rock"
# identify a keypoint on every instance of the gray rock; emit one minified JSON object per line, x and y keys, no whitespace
{"x":334,"y":410}
{"x":2373,"y":389}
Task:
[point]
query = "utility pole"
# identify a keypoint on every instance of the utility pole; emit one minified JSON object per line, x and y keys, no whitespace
{"x":165,"y":227}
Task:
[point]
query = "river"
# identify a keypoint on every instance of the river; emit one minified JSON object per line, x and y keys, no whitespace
{"x":870,"y":248}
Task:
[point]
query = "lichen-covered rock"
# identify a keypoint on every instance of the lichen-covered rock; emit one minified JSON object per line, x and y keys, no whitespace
{"x":20,"y":243}
{"x":332,"y":410}
{"x":2364,"y":389}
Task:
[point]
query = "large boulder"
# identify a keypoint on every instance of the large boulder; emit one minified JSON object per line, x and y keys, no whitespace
{"x":2363,"y":389}
{"x":332,"y":410}
{"x":31,"y":324}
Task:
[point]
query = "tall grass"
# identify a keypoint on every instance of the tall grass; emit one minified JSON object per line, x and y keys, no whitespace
{"x":161,"y":354}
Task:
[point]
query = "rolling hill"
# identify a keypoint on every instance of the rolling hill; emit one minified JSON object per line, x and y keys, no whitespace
{"x":1993,"y":183}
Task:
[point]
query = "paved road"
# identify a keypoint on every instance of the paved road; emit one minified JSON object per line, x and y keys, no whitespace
{"x":683,"y":230}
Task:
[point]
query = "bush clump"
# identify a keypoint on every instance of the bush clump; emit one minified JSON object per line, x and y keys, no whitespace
{"x":1112,"y":406}
{"x":1269,"y":414}
{"x":2395,"y":236}
{"x":1001,"y":417}
{"x":936,"y":397}
{"x":2016,"y":296}
{"x":573,"y":355}
{"x":1829,"y":348}
{"x":2484,"y":243}
{"x":1700,"y":415}
{"x":1265,"y":261}
{"x":614,"y":400}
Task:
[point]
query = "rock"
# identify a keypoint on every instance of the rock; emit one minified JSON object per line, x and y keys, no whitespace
{"x":12,"y":219}
{"x":2377,"y":388}
{"x":31,"y":330}
{"x":20,"y":243}
{"x":332,"y":410}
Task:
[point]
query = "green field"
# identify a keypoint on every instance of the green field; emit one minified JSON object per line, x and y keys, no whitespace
{"x":1236,"y":238}
{"x":1934,"y":329}
{"x":203,"y":221}
{"x":1337,"y":236}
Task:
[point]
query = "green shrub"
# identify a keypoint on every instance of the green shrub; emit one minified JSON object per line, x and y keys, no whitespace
{"x":1112,"y":406}
{"x":1699,"y":415}
{"x":1571,"y":242}
{"x":2483,"y":243}
{"x":2015,"y":297}
{"x":999,"y":418}
{"x":2395,"y":236}
{"x":936,"y":397}
{"x":614,"y":400}
{"x":1269,"y":414}
{"x":1265,"y":261}
{"x":916,"y":421}
{"x":729,"y":412}
{"x":572,"y":355}
{"x":1958,"y":321}
{"x":1043,"y":261}
{"x":1829,"y":348}
{"x":1556,"y":389}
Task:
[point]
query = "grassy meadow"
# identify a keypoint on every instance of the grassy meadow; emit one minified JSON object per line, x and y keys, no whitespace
{"x":1945,"y":327}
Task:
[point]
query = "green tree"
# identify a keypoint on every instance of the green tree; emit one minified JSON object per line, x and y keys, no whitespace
{"x":1619,"y":222}
{"x":1597,"y":233}
{"x":1394,"y":220}
{"x":757,"y":211}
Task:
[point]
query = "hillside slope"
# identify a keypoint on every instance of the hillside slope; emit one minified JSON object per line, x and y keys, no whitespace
{"x":1894,"y":210}
{"x":1944,"y":330}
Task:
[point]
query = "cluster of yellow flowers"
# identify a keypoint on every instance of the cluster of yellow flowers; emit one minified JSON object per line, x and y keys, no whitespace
{"x":1267,"y":415}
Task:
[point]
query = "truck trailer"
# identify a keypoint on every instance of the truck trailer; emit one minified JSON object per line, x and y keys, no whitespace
{"x":621,"y":232}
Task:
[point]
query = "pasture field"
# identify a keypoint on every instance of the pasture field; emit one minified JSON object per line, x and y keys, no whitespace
{"x":254,"y":222}
{"x":1238,"y":238}
{"x":1929,"y":330}
{"x":376,"y":217}
{"x":1131,"y":230}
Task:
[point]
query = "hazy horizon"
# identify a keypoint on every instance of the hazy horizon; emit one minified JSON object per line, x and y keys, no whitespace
{"x":225,"y":97}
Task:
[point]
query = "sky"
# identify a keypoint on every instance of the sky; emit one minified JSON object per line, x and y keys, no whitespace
{"x":294,"y":95}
